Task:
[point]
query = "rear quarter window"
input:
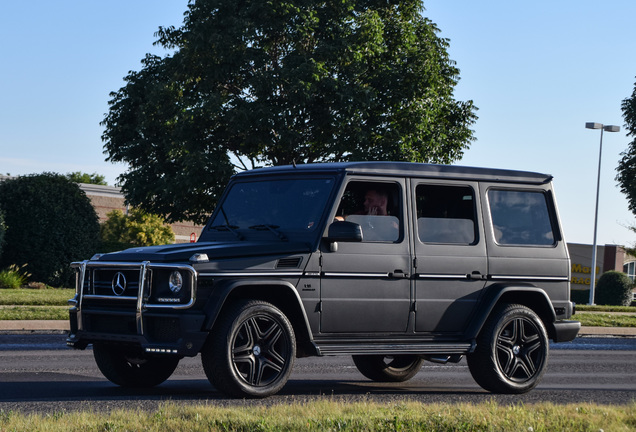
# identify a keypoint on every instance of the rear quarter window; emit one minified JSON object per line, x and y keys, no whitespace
{"x":521,"y":218}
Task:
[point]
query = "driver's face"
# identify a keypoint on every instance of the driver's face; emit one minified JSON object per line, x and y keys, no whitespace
{"x":374,"y":204}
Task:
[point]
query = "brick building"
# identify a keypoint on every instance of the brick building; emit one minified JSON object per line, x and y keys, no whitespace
{"x":108,"y":198}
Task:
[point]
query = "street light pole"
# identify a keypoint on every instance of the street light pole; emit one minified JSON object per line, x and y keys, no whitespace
{"x":607,"y":128}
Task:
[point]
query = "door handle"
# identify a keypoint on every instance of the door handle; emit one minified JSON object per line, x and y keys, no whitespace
{"x":476,"y":275}
{"x":398,"y":274}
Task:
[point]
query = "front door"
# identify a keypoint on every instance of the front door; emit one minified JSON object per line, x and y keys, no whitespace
{"x":365,"y":286}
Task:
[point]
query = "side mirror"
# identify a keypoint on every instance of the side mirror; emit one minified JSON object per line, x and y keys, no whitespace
{"x":345,"y":232}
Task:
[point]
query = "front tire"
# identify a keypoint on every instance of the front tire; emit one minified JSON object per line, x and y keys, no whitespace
{"x":250,"y":353}
{"x":398,"y":368}
{"x":130,"y":367}
{"x":512,"y":351}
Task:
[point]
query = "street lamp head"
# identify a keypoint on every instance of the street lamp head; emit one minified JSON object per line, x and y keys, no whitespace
{"x":606,"y":128}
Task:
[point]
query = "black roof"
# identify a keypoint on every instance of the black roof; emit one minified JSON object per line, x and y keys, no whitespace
{"x":408,"y":169}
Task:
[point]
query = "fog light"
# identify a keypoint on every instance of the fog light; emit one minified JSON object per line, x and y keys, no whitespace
{"x":175,"y":282}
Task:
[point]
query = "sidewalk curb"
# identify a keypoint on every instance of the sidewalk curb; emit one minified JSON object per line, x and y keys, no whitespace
{"x":60,"y":326}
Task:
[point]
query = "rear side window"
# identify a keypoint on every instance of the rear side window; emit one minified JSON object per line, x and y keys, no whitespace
{"x":446,"y":214}
{"x":520,"y":218}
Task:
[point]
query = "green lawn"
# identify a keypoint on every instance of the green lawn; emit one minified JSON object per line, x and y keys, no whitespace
{"x":329,"y":415}
{"x":36,"y":297}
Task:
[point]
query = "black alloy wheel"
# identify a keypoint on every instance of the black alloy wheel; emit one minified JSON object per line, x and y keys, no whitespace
{"x":512,"y":351}
{"x":397,"y":368}
{"x":251,"y":353}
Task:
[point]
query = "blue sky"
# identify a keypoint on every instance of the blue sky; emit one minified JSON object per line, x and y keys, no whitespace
{"x":537,"y":71}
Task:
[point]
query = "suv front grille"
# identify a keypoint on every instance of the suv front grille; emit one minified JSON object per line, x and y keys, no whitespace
{"x":113,"y":282}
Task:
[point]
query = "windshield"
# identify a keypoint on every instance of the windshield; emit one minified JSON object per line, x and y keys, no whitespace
{"x":274,"y":206}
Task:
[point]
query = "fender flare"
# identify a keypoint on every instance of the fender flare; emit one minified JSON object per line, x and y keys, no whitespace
{"x":225,"y":288}
{"x":526,"y":294}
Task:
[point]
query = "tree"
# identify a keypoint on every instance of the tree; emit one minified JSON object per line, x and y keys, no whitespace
{"x":80,"y":177}
{"x":252,"y":83}
{"x":50,"y":222}
{"x":3,"y":228}
{"x":626,"y":169}
{"x":136,"y":229}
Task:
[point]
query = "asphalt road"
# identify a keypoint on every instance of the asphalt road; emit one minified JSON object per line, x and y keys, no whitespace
{"x":39,"y":374}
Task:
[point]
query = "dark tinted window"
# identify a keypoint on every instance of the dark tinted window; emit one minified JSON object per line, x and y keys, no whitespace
{"x":446,"y":214}
{"x":289,"y":204}
{"x":520,"y":218}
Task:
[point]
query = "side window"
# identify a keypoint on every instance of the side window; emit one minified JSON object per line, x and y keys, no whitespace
{"x":520,"y":218}
{"x":375,"y":207}
{"x":446,"y":214}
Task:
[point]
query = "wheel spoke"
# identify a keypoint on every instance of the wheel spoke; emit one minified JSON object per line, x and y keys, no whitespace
{"x":246,"y":366}
{"x":506,"y":359}
{"x":272,"y":335}
{"x":246,"y":338}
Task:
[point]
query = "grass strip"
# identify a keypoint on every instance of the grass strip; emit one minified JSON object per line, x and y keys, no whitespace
{"x":601,"y":308}
{"x":338,"y":416}
{"x":34,"y":313}
{"x":605,"y":319}
{"x":36,"y":297}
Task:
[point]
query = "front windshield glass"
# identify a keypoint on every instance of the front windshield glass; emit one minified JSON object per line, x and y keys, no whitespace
{"x":275,"y":205}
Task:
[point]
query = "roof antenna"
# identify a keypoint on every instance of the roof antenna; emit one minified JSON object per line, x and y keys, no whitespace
{"x":294,"y":162}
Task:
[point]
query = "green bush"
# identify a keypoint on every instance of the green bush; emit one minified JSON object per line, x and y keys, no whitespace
{"x":614,"y":288}
{"x":50,"y":223}
{"x":135,"y":229}
{"x":580,"y":297}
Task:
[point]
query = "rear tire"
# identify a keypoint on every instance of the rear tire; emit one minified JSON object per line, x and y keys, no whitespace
{"x":130,"y":367}
{"x":398,"y":368}
{"x":251,"y":351}
{"x":512,"y":351}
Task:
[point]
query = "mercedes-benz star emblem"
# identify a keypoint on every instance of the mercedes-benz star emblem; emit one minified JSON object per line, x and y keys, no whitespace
{"x":119,"y":283}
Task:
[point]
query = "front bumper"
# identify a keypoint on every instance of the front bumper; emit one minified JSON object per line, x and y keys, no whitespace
{"x":128,"y":303}
{"x":164,"y":333}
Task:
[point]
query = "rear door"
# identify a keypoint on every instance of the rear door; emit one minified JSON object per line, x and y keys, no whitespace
{"x":450,"y":251}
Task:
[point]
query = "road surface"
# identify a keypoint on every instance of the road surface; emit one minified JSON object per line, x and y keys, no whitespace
{"x":39,"y":374}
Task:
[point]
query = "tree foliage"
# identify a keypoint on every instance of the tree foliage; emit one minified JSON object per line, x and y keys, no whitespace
{"x":626,"y":169}
{"x":80,"y":177}
{"x":50,"y":222}
{"x":254,"y":83}
{"x":136,"y":229}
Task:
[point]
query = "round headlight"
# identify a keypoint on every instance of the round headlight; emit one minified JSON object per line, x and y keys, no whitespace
{"x":175,"y":282}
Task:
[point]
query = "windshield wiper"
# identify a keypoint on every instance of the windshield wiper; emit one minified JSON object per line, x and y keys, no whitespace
{"x":272,"y":228}
{"x":230,"y":228}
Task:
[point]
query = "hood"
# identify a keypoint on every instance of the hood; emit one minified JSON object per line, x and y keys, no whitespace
{"x":214,"y":250}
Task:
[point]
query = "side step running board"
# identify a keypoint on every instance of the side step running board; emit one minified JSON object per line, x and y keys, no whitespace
{"x":394,"y":349}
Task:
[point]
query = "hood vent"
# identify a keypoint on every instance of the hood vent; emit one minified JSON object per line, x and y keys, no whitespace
{"x":288,"y":263}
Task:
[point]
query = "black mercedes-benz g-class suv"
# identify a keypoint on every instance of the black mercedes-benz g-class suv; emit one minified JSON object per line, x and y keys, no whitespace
{"x":392,"y":263}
